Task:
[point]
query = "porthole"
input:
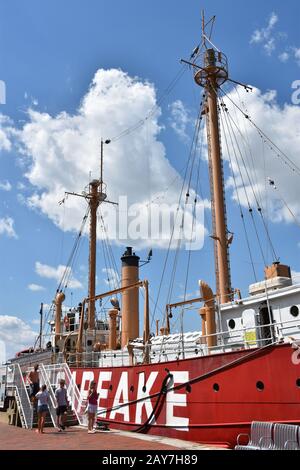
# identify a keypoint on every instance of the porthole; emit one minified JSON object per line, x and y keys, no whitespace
{"x":144,"y":389}
{"x":196,"y":351}
{"x":104,"y":356}
{"x":294,"y":310}
{"x":231,"y":324}
{"x":298,"y":383}
{"x":216,"y":387}
{"x":132,"y":388}
{"x":260,"y":386}
{"x":115,"y":355}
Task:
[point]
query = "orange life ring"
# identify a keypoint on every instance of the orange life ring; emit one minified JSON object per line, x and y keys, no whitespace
{"x":66,"y":322}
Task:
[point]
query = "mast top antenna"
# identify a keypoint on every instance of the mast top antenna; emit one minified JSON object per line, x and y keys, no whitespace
{"x":207,"y":35}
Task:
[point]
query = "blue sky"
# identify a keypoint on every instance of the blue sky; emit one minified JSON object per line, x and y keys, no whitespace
{"x":50,"y":52}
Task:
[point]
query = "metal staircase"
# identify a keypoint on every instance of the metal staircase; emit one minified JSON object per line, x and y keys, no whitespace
{"x":52,"y":374}
{"x":16,"y":384}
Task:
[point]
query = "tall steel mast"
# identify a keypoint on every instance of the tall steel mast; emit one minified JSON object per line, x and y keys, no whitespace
{"x":95,"y":197}
{"x":211,"y":71}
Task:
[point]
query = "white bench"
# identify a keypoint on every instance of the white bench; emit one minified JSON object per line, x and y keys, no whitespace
{"x":270,"y":436}
{"x":260,"y":432}
{"x":285,"y":437}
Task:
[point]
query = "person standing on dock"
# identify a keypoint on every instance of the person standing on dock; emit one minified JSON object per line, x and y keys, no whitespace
{"x":62,"y":405}
{"x":34,"y":381}
{"x":42,"y":397}
{"x":92,"y":406}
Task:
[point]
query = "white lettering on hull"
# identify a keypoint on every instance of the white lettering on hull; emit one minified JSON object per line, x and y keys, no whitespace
{"x":103,"y":392}
{"x":177,"y":400}
{"x":174,"y":399}
{"x":87,"y":376}
{"x":141,"y":394}
{"x":122,"y":391}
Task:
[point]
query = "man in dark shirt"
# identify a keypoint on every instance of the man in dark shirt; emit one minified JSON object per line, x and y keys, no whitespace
{"x":62,"y":405}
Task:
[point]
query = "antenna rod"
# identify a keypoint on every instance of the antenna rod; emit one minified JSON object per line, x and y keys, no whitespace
{"x":203,"y":28}
{"x":41,"y":324}
{"x":101,"y":167}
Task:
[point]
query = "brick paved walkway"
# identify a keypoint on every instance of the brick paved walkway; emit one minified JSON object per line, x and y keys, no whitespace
{"x":13,"y":438}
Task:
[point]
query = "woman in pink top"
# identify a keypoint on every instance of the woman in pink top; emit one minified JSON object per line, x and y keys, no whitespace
{"x":92,"y":406}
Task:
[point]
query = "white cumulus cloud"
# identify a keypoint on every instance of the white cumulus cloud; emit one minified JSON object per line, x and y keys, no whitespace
{"x":270,"y":39}
{"x":62,"y":150}
{"x":282,"y":125}
{"x":16,"y":334}
{"x":50,"y":272}
{"x":284,"y":57}
{"x":180,"y":119}
{"x":112,"y":277}
{"x":35,"y":287}
{"x":5,"y":186}
{"x":296,"y":277}
{"x":7,"y":227}
{"x":297,"y":55}
{"x":265,"y":36}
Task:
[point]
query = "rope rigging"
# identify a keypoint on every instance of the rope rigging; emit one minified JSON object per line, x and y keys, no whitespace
{"x":275,"y":187}
{"x":258,"y":204}
{"x":238,"y":197}
{"x":74,"y":252}
{"x":230,"y":123}
{"x":280,"y":154}
{"x":187,"y":177}
{"x":153,"y":110}
{"x":67,"y":273}
{"x":229,"y":133}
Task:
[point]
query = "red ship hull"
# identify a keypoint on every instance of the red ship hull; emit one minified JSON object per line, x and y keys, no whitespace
{"x":225,"y":393}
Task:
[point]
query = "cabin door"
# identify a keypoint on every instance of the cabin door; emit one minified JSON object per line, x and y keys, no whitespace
{"x":249,"y":326}
{"x":265,"y":322}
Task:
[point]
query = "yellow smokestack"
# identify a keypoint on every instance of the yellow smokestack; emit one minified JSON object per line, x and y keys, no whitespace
{"x":207,"y":313}
{"x":112,"y":339}
{"x":60,"y":297}
{"x":130,"y":299}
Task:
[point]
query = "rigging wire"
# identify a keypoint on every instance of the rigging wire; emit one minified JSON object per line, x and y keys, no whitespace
{"x":238,"y":197}
{"x":154,"y":109}
{"x":198,"y":184}
{"x":275,"y":187}
{"x":231,"y":122}
{"x":70,"y":263}
{"x":111,"y":257}
{"x":173,"y":227}
{"x":63,"y":284}
{"x":193,"y":154}
{"x":191,"y":162}
{"x":229,"y":129}
{"x":246,"y":139}
{"x":282,"y":155}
